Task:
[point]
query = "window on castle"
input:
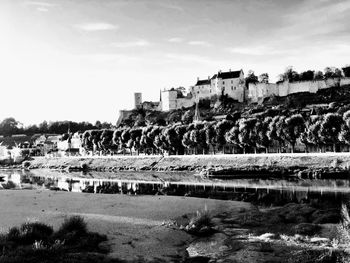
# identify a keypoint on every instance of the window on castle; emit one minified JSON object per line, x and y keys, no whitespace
{"x":223,"y":82}
{"x":231,"y":88}
{"x":231,"y":81}
{"x":235,"y":88}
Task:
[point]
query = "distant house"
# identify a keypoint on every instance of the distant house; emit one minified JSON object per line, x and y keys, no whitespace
{"x":47,"y":143}
{"x":72,"y":146}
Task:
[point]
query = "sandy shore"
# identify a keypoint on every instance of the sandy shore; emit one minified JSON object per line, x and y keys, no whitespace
{"x":135,"y":225}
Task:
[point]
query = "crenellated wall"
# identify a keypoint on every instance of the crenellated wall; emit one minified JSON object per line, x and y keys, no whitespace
{"x":257,"y":92}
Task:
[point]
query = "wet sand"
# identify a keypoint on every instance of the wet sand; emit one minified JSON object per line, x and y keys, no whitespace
{"x":136,"y":226}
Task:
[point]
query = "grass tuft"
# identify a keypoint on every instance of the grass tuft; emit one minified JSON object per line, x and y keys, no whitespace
{"x":201,"y":223}
{"x":73,"y":224}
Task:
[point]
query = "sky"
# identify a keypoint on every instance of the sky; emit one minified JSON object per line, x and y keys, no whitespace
{"x":82,"y":60}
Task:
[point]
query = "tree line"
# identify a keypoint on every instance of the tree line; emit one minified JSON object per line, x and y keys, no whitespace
{"x":260,"y":132}
{"x":11,"y":126}
{"x":292,"y":75}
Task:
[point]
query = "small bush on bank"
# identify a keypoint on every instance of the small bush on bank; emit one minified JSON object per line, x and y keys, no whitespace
{"x":26,"y":164}
{"x":200,"y":224}
{"x":28,"y":233}
{"x":73,"y":224}
{"x":37,"y":242}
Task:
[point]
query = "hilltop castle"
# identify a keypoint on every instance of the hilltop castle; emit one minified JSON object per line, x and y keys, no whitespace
{"x":233,"y":85}
{"x":230,"y":83}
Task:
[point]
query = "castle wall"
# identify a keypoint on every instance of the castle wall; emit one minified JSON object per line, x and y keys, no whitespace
{"x":202,"y":92}
{"x":236,"y":91}
{"x":345,"y":81}
{"x":123,"y":114}
{"x":259,"y":91}
{"x":184,"y":103}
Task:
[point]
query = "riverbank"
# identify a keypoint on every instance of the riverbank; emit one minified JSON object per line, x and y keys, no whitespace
{"x":304,"y":165}
{"x":151,"y":228}
{"x":136,"y":226}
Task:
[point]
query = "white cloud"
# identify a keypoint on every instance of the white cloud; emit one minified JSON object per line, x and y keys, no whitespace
{"x":137,"y":43}
{"x":193,"y":59}
{"x":176,"y":40}
{"x":97,"y":26}
{"x":109,"y":57}
{"x":40,"y":4}
{"x":42,"y":9}
{"x":254,"y":51}
{"x":172,"y":7}
{"x":199,"y":43}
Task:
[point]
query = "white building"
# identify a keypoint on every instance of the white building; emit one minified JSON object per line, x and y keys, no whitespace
{"x":202,"y":89}
{"x":230,"y":83}
{"x":175,"y":99}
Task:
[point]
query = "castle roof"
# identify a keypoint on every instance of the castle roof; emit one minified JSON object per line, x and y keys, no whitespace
{"x":228,"y":75}
{"x":203,"y":82}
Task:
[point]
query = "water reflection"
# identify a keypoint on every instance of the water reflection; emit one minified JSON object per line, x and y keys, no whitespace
{"x":262,"y":191}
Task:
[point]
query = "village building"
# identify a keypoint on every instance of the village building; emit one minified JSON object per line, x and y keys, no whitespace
{"x":71,"y":146}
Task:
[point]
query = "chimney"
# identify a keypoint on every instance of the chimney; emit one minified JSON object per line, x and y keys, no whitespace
{"x":197,"y":78}
{"x":230,"y":70}
{"x":208,"y":77}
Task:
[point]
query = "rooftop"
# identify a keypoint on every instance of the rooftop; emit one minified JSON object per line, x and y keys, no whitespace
{"x":228,"y":75}
{"x":203,"y":82}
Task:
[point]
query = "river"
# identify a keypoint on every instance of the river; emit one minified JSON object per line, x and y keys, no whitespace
{"x":265,"y":192}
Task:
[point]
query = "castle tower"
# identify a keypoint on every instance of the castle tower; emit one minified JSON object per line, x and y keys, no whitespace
{"x":138,"y":100}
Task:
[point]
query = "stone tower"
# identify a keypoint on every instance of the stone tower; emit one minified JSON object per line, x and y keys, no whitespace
{"x":138,"y":100}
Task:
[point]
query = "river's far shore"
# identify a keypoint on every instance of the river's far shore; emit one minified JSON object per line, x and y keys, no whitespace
{"x":248,"y":163}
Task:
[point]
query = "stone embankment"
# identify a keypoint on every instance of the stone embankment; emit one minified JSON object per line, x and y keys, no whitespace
{"x":314,"y":165}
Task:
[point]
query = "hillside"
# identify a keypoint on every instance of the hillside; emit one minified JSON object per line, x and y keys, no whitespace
{"x":211,"y":109}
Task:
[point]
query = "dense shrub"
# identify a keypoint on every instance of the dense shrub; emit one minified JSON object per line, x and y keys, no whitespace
{"x":73,"y":224}
{"x":37,"y":242}
{"x":200,"y":224}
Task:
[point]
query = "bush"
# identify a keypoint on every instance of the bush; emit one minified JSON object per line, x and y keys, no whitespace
{"x":74,"y":224}
{"x":84,"y":166}
{"x":200,"y":224}
{"x":28,"y":233}
{"x":36,"y":242}
{"x":26,"y":164}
